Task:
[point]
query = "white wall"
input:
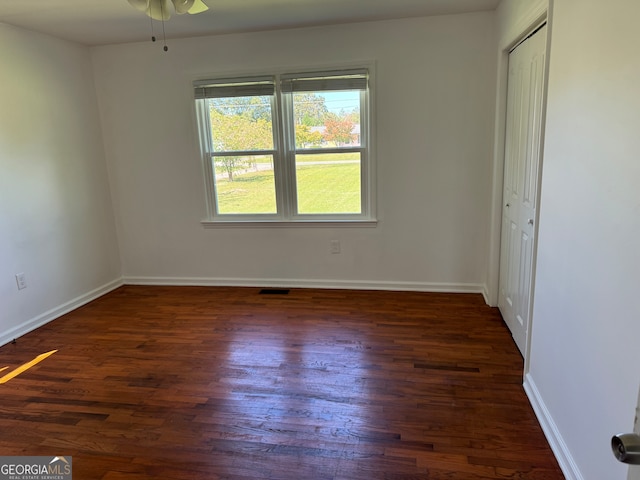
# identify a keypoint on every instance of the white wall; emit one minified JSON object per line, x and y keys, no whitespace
{"x":56,"y":218}
{"x":584,"y":370}
{"x":435,"y":81}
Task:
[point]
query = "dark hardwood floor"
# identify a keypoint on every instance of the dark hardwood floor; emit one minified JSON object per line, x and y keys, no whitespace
{"x":176,"y":383}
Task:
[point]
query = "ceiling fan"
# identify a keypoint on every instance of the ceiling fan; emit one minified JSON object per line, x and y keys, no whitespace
{"x":160,"y":10}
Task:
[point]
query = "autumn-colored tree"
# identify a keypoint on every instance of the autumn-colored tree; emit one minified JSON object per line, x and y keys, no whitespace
{"x":339,"y":130}
{"x":306,"y":138}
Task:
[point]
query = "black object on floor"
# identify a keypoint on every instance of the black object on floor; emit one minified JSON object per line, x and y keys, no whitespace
{"x":274,"y":291}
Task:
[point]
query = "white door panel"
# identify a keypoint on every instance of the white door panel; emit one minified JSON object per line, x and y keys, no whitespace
{"x":525,"y":97}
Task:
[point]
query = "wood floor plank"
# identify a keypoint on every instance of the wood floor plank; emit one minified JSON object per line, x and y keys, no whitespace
{"x":176,"y":383}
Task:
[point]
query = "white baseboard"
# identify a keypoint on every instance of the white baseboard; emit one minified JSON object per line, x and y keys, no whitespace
{"x":485,"y":294}
{"x":58,"y":311}
{"x":558,"y":446}
{"x":306,"y":283}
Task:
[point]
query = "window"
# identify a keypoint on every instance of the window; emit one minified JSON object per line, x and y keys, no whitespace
{"x":287,"y":147}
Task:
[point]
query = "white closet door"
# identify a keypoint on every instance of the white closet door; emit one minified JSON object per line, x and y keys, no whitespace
{"x":525,"y":104}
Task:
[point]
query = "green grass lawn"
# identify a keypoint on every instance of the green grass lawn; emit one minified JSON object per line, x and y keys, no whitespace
{"x":329,"y":188}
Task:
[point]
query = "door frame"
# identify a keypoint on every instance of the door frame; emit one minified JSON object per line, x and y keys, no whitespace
{"x":530,"y":21}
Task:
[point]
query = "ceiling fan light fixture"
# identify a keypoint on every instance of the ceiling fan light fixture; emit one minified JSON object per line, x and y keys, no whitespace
{"x":159,"y":10}
{"x":198,"y":7}
{"x":182,"y":6}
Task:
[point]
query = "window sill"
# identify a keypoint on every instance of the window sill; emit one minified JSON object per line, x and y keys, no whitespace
{"x":289,"y":224}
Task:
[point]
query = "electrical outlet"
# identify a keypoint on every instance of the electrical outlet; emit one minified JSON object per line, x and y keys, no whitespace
{"x":334,"y":246}
{"x":21,"y":281}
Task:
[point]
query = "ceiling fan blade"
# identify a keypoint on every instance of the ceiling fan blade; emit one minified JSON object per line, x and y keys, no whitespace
{"x":182,"y":6}
{"x":141,"y":5}
{"x":159,"y":10}
{"x":198,"y":7}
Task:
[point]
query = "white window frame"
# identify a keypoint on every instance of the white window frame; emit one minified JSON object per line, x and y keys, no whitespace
{"x":284,"y":155}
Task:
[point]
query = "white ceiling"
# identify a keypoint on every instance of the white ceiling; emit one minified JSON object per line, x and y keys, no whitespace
{"x":102,"y":22}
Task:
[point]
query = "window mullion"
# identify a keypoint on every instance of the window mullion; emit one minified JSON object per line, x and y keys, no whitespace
{"x":288,"y":153}
{"x":277,"y":157}
{"x":365,"y":173}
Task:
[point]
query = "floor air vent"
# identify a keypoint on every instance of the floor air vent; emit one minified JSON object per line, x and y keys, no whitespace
{"x":274,"y":291}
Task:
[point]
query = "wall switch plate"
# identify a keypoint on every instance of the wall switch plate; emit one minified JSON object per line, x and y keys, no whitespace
{"x":21,"y":281}
{"x":334,"y":246}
